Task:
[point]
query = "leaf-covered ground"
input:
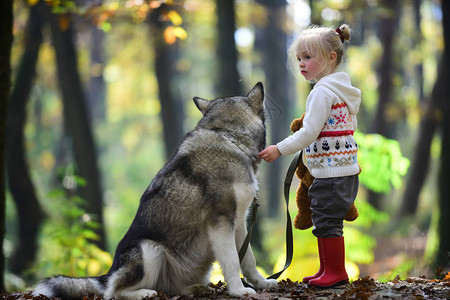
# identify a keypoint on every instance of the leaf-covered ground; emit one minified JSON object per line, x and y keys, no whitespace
{"x":365,"y":288}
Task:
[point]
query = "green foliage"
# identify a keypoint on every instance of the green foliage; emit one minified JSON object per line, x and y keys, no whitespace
{"x":369,"y":216}
{"x":67,"y":240}
{"x":381,"y":161}
{"x":401,"y":271}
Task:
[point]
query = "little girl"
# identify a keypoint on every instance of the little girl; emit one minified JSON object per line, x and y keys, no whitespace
{"x":329,"y":149}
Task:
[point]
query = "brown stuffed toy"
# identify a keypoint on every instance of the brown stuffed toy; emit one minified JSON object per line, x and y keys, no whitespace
{"x":303,"y":219}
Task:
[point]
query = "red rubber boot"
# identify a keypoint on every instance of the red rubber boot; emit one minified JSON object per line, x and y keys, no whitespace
{"x":334,"y":274}
{"x":320,"y":272}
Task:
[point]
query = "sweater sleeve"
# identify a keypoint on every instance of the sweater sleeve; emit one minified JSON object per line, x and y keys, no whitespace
{"x":318,"y":108}
{"x":355,"y":122}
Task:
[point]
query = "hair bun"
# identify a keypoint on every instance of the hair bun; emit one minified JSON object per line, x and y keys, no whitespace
{"x":344,"y":32}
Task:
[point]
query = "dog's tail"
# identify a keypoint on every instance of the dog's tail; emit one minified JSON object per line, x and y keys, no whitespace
{"x":71,"y":288}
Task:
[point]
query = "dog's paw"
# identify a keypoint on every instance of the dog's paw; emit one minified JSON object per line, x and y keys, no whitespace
{"x":134,"y":294}
{"x":241,"y":291}
{"x":263,"y":283}
{"x":269,"y":284}
{"x":142,"y":294}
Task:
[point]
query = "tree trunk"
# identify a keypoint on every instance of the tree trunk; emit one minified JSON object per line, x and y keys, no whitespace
{"x":77,"y":120}
{"x":417,"y":39}
{"x":229,"y":80}
{"x":21,"y":186}
{"x":419,"y":167}
{"x":166,"y":58}
{"x":96,"y":86}
{"x":443,"y":255}
{"x":427,"y":128}
{"x":381,"y":124}
{"x":421,"y":159}
{"x":6,"y":37}
{"x":272,"y":42}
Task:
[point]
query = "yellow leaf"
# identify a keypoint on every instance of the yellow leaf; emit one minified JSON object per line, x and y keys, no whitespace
{"x":171,"y":34}
{"x":175,"y":18}
{"x":32,"y":2}
{"x":180,"y":33}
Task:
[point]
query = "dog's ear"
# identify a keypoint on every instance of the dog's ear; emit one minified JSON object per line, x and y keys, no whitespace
{"x":256,"y":97}
{"x":201,"y":104}
{"x":257,"y":92}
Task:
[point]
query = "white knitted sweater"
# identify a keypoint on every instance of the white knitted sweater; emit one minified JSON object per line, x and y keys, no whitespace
{"x":327,"y":133}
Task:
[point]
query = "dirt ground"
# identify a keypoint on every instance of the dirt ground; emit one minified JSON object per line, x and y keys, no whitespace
{"x":365,"y":288}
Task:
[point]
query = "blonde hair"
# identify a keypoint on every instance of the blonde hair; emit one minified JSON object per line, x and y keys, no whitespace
{"x":319,"y":41}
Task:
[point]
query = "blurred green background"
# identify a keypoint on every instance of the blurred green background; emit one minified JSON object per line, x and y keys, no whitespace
{"x":102,"y":94}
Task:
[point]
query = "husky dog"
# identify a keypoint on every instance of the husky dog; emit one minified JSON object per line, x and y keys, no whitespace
{"x":193,"y":213}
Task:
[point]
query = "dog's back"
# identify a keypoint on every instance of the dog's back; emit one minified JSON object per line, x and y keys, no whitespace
{"x":204,"y":190}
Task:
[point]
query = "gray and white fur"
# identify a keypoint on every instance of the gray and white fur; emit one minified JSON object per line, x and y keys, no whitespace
{"x":193,"y":213}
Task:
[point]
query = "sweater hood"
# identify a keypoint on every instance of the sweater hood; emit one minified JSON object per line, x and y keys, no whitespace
{"x":340,"y":84}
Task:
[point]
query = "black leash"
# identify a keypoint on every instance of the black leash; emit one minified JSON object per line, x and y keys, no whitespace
{"x":246,"y":242}
{"x":289,"y":237}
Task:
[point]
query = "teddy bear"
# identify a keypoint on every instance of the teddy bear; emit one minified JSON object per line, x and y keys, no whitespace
{"x":303,"y":219}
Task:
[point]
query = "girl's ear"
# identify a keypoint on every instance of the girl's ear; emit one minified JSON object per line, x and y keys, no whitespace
{"x":332,"y":57}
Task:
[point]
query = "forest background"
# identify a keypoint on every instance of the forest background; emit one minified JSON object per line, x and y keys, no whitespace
{"x":101,"y":94}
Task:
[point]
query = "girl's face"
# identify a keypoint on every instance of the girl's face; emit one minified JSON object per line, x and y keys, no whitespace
{"x":310,"y":66}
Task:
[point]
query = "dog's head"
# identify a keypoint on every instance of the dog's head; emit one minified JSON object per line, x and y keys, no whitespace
{"x":241,"y":116}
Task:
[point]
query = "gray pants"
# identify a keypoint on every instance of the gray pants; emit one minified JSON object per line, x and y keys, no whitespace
{"x":331,"y":198}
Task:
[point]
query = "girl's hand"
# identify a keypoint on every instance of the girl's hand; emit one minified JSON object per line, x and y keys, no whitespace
{"x":270,"y":154}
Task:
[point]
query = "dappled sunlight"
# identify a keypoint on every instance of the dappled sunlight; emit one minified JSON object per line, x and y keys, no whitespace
{"x":216,"y":273}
